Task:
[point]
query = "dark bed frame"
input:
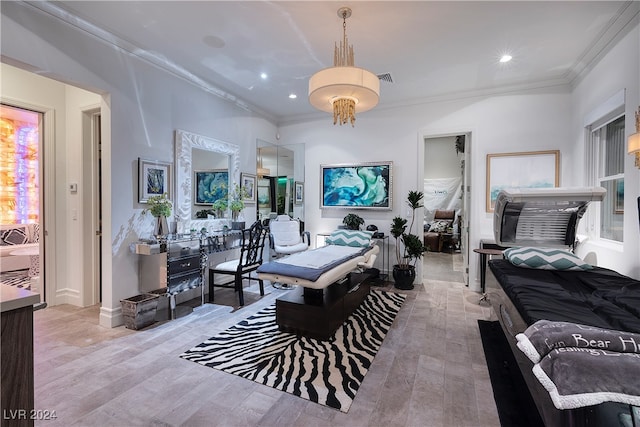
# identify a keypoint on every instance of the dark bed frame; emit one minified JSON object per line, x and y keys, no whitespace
{"x":512,"y":324}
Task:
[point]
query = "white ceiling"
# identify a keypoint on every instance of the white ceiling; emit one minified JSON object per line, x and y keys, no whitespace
{"x":433,"y":50}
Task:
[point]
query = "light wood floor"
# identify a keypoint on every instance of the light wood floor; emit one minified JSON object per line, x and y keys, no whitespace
{"x":430,"y":370}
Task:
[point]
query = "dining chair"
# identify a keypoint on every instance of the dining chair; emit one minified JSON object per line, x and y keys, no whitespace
{"x":250,"y":259}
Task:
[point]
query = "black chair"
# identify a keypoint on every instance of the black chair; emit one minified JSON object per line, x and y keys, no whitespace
{"x":250,"y":259}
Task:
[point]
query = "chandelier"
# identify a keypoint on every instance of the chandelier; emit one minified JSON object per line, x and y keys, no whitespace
{"x":344,"y":89}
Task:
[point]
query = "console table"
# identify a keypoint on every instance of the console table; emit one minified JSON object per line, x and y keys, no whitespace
{"x":179,"y":265}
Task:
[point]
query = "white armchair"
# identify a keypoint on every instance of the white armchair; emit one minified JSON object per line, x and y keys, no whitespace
{"x":285,"y":237}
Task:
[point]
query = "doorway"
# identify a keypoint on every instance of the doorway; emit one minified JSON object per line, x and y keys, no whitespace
{"x":21,"y":217}
{"x":92,"y":209}
{"x":446,"y":188}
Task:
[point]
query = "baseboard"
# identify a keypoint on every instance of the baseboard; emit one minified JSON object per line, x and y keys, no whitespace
{"x":111,"y":317}
{"x":68,"y":296}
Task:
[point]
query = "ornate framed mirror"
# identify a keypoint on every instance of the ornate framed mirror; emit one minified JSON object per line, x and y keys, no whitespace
{"x":186,"y":144}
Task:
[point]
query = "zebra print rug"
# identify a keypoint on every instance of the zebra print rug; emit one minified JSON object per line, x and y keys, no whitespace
{"x":326,"y":372}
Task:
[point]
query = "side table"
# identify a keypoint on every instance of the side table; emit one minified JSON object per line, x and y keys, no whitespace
{"x":484,"y":253}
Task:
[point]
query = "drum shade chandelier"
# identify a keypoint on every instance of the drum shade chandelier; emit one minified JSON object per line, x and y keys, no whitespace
{"x":344,"y":89}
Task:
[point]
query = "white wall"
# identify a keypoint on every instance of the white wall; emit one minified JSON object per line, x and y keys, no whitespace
{"x":440,"y":158}
{"x":618,"y":70}
{"x":142,"y":107}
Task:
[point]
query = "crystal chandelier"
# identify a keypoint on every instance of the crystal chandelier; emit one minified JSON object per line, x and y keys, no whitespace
{"x":344,"y":89}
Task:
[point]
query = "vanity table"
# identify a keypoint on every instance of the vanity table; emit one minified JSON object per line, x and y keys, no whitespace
{"x":175,"y":268}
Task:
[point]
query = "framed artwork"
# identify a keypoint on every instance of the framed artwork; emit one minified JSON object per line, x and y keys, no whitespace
{"x":534,"y":169}
{"x":357,"y":186}
{"x":210,"y":185}
{"x":154,"y":179}
{"x":248,"y":182}
{"x":264,"y":199}
{"x":299,"y":193}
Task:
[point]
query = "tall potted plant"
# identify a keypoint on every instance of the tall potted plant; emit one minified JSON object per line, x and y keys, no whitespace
{"x":160,"y":207}
{"x":409,"y":247}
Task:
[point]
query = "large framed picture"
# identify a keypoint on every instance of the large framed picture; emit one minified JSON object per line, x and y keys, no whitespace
{"x":357,"y":186}
{"x":248,"y":182}
{"x":534,"y":169}
{"x":298,"y":193}
{"x":210,"y":185}
{"x":154,"y":179}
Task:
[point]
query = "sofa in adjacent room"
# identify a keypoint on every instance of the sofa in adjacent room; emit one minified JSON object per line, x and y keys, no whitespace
{"x":442,"y":221}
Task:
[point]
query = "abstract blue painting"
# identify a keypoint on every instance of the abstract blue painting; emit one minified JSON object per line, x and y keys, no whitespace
{"x":211,"y":185}
{"x":363,"y":186}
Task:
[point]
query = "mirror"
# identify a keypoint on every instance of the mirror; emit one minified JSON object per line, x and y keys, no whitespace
{"x":200,"y":153}
{"x":280,"y":170}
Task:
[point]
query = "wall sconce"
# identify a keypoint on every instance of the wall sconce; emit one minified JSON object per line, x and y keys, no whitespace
{"x":633,"y":143}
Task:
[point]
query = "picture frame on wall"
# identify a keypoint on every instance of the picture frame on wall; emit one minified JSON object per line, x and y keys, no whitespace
{"x":264,"y":196}
{"x":298,"y":193}
{"x":249,"y":183}
{"x":533,"y":169}
{"x":154,"y":179}
{"x":357,"y":186}
{"x":210,"y":185}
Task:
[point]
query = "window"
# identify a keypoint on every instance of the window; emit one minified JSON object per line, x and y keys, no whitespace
{"x":607,"y":150}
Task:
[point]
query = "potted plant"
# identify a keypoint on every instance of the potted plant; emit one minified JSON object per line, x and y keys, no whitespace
{"x":352,"y":221}
{"x":236,"y":204}
{"x":409,"y":247}
{"x":160,"y":207}
{"x":220,"y":206}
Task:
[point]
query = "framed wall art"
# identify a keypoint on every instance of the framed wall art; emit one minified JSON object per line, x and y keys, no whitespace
{"x":534,"y":169}
{"x":154,"y":179}
{"x":357,"y":186}
{"x":248,"y":182}
{"x":298,"y":193}
{"x":210,"y":185}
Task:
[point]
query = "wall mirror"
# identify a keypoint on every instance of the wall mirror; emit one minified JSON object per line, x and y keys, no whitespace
{"x":280,"y":170}
{"x":208,"y":156}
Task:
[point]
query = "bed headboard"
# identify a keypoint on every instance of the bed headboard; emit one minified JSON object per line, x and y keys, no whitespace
{"x":541,"y":217}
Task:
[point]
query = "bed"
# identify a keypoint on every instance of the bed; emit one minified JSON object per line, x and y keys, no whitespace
{"x":329,"y":290}
{"x":537,"y":291}
{"x":346,"y":251}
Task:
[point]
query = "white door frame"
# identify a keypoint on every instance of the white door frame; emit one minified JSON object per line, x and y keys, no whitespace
{"x":90,"y":209}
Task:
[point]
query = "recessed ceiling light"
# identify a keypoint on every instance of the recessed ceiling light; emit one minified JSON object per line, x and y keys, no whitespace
{"x":292,"y":96}
{"x":506,"y":58}
{"x":263,"y":76}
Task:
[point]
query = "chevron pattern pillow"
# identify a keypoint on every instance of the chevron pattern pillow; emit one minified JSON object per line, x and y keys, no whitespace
{"x":355,"y":238}
{"x":545,"y":259}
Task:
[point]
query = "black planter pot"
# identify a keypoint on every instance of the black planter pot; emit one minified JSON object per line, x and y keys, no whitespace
{"x":404,"y":277}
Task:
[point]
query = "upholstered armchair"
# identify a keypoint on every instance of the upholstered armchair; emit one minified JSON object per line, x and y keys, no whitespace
{"x":442,"y":220}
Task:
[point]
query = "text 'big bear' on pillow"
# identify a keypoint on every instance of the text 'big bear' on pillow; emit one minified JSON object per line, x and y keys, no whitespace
{"x":545,"y":259}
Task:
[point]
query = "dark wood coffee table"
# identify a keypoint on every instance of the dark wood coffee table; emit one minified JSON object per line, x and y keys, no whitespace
{"x":318,"y":316}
